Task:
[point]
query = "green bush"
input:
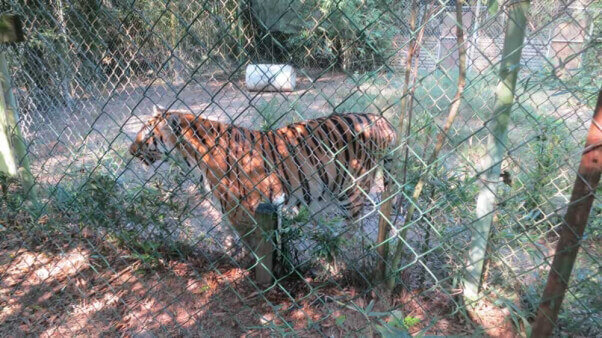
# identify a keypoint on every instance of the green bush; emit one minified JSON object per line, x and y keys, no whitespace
{"x":352,"y":35}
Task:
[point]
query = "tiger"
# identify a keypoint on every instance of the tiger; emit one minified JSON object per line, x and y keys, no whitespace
{"x":326,"y":160}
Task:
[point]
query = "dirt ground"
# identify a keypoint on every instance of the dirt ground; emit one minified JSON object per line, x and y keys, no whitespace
{"x":80,"y":285}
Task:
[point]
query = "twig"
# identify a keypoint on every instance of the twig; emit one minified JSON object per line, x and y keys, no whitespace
{"x":102,"y":287}
{"x":591,"y":147}
{"x":441,"y":137}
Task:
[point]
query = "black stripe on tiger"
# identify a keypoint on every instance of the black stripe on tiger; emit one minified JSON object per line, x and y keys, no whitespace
{"x":279,"y":162}
{"x":332,"y":149}
{"x":320,"y":166}
{"x":345,"y":149}
{"x":301,"y":174}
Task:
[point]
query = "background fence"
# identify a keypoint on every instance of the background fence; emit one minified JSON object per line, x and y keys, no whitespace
{"x":111,"y":246}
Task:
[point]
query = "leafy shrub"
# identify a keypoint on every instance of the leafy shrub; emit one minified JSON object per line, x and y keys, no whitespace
{"x":11,"y":192}
{"x":288,"y":236}
{"x":144,"y":219}
{"x":274,"y":113}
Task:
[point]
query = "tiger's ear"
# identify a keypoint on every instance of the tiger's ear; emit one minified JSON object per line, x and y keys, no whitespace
{"x":173,"y":120}
{"x":158,"y":111}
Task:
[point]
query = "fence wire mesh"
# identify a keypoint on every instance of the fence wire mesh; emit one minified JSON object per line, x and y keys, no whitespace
{"x":110,"y":245}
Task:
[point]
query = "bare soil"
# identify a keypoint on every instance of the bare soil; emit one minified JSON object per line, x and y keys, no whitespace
{"x":78,"y":284}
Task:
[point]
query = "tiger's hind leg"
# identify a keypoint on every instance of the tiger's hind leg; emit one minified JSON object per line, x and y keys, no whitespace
{"x":357,"y":196}
{"x":353,"y":206}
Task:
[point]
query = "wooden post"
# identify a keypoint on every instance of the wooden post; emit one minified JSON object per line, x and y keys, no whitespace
{"x":496,"y":146}
{"x":575,"y":221}
{"x":13,"y":151}
{"x":384,"y":223}
{"x":266,"y":218}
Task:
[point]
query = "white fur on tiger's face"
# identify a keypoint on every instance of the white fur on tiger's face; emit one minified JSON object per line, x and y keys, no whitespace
{"x":328,"y":160}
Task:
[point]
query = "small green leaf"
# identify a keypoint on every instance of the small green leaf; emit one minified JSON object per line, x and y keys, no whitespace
{"x":340,"y":320}
{"x":410,"y":321}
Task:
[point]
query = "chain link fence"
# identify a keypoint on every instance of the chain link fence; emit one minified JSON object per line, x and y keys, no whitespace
{"x":111,"y":246}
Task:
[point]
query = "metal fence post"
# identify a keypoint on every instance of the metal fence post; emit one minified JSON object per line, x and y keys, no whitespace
{"x":575,"y":220}
{"x":266,"y":218}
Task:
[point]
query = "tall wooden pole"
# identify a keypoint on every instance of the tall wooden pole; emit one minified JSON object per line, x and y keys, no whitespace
{"x":575,"y":220}
{"x":13,"y":151}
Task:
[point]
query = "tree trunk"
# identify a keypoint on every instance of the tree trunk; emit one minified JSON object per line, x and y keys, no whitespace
{"x":13,"y":151}
{"x":453,"y":112}
{"x":496,"y":146}
{"x":572,"y":230}
{"x":411,"y":68}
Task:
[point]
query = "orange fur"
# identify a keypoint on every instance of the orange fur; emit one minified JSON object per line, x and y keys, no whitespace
{"x":331,"y":158}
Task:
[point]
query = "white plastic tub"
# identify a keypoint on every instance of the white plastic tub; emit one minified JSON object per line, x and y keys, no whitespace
{"x":269,"y":77}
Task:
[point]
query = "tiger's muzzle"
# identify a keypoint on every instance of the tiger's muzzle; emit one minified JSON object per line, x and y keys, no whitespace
{"x":147,"y":156}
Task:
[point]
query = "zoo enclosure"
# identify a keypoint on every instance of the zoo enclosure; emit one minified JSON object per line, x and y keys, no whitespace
{"x":90,"y":71}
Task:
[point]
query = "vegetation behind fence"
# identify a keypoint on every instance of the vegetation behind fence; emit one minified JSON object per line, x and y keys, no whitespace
{"x":490,"y":129}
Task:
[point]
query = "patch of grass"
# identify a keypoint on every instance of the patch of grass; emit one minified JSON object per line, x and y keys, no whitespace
{"x":581,"y":308}
{"x":358,"y":102}
{"x":275,"y":113}
{"x":141,"y":219}
{"x":396,"y":325}
{"x":304,"y":239}
{"x":11,"y":192}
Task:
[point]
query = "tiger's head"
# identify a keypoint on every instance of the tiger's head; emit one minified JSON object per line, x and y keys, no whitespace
{"x":150,"y":142}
